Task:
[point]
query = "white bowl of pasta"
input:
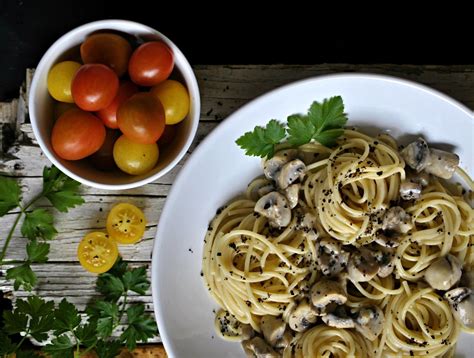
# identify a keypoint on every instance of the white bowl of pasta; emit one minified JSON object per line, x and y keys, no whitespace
{"x":352,"y":248}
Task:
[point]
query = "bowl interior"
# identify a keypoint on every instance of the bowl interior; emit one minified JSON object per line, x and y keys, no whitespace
{"x":42,"y":105}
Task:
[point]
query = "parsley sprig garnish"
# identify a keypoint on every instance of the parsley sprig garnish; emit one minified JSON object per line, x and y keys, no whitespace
{"x":62,"y":192}
{"x":73,"y":334}
{"x":323,"y":123}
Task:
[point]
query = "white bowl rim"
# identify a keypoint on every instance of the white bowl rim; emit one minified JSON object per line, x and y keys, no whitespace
{"x":97,"y":25}
{"x":165,"y":213}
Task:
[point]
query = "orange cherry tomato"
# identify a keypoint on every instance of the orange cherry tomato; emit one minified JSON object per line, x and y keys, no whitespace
{"x":77,"y":134}
{"x":108,"y":49}
{"x":168,"y":135}
{"x":141,"y":118}
{"x":151,"y":63}
{"x":109,"y":113}
{"x":94,"y":87}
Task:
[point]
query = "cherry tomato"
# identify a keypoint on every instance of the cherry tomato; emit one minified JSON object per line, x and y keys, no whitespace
{"x":135,"y":158}
{"x":109,"y":113}
{"x":103,"y":159}
{"x":60,"y":79}
{"x":97,"y":252}
{"x":94,"y":87}
{"x":77,"y":134}
{"x":108,"y":49}
{"x":168,"y":136}
{"x":62,"y":107}
{"x":126,"y":223}
{"x":174,"y":98}
{"x":141,"y":118}
{"x":151,"y":63}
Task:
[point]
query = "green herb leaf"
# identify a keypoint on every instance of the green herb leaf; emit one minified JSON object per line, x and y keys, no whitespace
{"x":106,"y":314}
{"x":38,"y":223}
{"x":261,"y":141}
{"x":329,"y":137}
{"x":15,"y":321}
{"x":86,"y":334}
{"x":110,"y":286}
{"x":23,"y":276}
{"x":136,"y":280}
{"x":109,"y":349}
{"x":10,"y":195}
{"x":60,"y":347}
{"x":300,"y":130}
{"x":37,"y":251}
{"x":41,"y":315}
{"x":328,"y":115}
{"x":140,"y":327}
{"x":6,"y":345}
{"x":66,"y":317}
{"x":60,"y":190}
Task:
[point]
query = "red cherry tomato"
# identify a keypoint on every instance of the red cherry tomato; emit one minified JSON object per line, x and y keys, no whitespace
{"x":141,"y":118}
{"x":94,"y":87}
{"x":151,"y":63}
{"x":77,"y":134}
{"x":168,"y":136}
{"x":108,"y":49}
{"x":109,"y":113}
{"x":103,"y":159}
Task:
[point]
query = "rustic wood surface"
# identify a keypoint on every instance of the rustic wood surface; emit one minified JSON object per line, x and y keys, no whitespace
{"x":223,"y":90}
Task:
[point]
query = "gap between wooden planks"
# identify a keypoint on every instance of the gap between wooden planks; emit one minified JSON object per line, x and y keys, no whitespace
{"x":224,"y":88}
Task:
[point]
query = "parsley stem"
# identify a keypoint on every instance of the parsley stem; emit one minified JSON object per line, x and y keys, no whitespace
{"x":17,"y":220}
{"x":122,"y":311}
{"x":85,"y":351}
{"x":22,"y":340}
{"x":9,"y":237}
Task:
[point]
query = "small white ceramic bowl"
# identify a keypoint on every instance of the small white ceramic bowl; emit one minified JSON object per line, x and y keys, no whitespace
{"x":41,"y":106}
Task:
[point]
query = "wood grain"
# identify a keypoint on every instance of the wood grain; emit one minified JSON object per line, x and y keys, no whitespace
{"x":223,"y":90}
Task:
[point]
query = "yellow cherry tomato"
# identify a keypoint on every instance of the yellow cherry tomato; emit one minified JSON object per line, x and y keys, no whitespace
{"x":97,"y":252}
{"x":135,"y":158}
{"x":126,"y":223}
{"x":60,"y":79}
{"x":175,"y":100}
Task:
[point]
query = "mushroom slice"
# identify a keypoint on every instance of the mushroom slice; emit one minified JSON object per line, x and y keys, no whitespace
{"x":442,"y":164}
{"x":362,"y":266}
{"x":302,"y":317}
{"x":467,"y":278}
{"x":387,"y":238}
{"x":305,"y":220}
{"x":386,"y":260}
{"x":274,"y":206}
{"x":444,"y":273}
{"x":422,"y":178}
{"x":290,"y":172}
{"x":272,"y":328}
{"x":410,"y":190}
{"x":258,"y":348}
{"x":292,"y":194}
{"x":396,"y":219}
{"x":228,"y":326}
{"x":339,"y":319}
{"x":369,"y":322}
{"x":330,"y":256}
{"x":417,"y":154}
{"x":325,"y":294}
{"x":462,"y":305}
{"x":264,"y":190}
{"x":272,"y":166}
{"x":284,"y":341}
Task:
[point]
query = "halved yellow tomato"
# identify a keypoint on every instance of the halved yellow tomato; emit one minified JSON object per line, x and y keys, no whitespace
{"x":97,"y":252}
{"x":126,"y":223}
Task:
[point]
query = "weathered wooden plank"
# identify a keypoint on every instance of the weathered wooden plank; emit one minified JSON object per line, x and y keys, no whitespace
{"x":223,"y":90}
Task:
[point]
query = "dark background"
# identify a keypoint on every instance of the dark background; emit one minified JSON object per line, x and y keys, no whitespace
{"x":240,"y":33}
